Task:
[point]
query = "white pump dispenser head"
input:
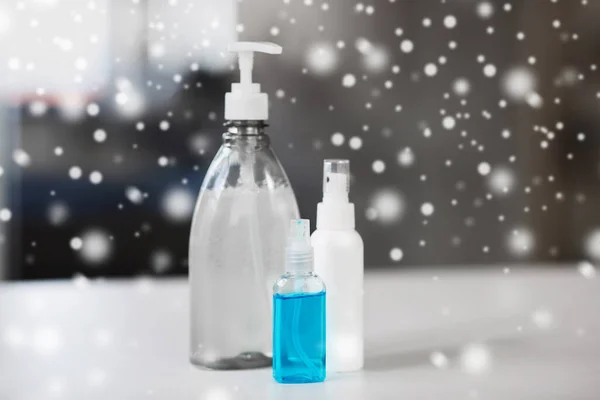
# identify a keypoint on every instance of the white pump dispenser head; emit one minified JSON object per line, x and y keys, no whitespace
{"x":245,"y":101}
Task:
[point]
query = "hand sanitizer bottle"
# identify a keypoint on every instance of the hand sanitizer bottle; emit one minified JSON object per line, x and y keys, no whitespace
{"x":299,"y":313}
{"x":338,"y":250}
{"x":237,"y":239}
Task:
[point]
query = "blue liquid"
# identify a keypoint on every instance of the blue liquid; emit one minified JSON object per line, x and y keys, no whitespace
{"x":299,"y":337}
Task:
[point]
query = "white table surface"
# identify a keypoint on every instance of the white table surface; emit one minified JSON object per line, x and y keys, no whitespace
{"x":455,"y":334}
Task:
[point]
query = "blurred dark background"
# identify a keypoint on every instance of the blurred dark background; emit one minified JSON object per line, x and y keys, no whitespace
{"x":471,"y":126}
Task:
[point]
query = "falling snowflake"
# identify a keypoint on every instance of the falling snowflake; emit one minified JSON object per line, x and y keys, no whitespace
{"x":387,"y":206}
{"x":177,"y":204}
{"x":348,"y":80}
{"x":322,"y":58}
{"x":427,"y":209}
{"x":475,"y":359}
{"x":396,"y":254}
{"x":520,"y":242}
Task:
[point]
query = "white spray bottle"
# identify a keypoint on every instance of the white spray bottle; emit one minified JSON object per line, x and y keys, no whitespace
{"x":339,"y":260}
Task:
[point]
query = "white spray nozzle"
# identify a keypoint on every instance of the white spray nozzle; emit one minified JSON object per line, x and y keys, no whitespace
{"x":336,"y":179}
{"x":299,"y":251}
{"x":245,"y":101}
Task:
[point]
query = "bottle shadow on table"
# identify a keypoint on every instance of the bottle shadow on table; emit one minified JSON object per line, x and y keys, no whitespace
{"x":402,"y":351}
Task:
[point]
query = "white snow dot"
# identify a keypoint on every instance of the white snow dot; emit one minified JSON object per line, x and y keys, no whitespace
{"x":76,"y":243}
{"x":75,"y":172}
{"x":177,"y":204}
{"x":280,"y":93}
{"x":95,"y":177}
{"x":485,"y":9}
{"x":121,"y":98}
{"x":378,"y":166}
{"x":163,"y":161}
{"x":518,"y":82}
{"x":439,"y":360}
{"x":484,"y":168}
{"x":450,"y":21}
{"x":355,"y":143}
{"x":396,"y":254}
{"x":164,"y":125}
{"x":21,"y":158}
{"x":430,"y":69}
{"x":406,"y":157}
{"x":543,"y":319}
{"x":534,"y":100}
{"x":586,"y":269}
{"x":387,"y":206}
{"x":14,"y":63}
{"x":38,"y":108}
{"x":449,"y":122}
{"x":140,"y":126}
{"x":58,"y":213}
{"x":427,"y":209}
{"x":134,"y":195}
{"x":274,"y":31}
{"x":100,"y":135}
{"x":96,"y":246}
{"x":461,"y":86}
{"x":93,"y":109}
{"x":520,"y":242}
{"x":348,"y":80}
{"x":58,"y":151}
{"x":406,"y":46}
{"x":489,"y":70}
{"x":5,"y":215}
{"x":161,"y":261}
{"x":337,"y":139}
{"x":322,"y":58}
{"x":475,"y":359}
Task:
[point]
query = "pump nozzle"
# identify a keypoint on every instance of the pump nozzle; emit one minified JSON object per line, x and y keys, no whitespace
{"x":299,"y":251}
{"x":335,"y":211}
{"x":336,"y":179}
{"x":245,"y":101}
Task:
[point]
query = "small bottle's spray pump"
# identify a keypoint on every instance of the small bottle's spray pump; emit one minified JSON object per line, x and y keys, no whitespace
{"x":299,"y":251}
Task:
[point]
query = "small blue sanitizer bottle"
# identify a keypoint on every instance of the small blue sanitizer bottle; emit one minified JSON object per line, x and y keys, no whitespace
{"x":299,"y":313}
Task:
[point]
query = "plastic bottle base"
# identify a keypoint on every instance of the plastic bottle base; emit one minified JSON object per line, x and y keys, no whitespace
{"x":299,"y":379}
{"x":248,"y":360}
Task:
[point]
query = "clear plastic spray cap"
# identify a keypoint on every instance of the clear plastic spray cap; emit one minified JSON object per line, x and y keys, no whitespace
{"x":336,"y":179}
{"x":299,"y":251}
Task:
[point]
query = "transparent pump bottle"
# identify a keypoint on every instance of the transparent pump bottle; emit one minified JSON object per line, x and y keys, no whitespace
{"x":238,"y":235}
